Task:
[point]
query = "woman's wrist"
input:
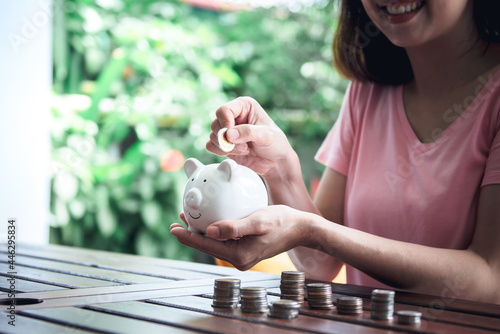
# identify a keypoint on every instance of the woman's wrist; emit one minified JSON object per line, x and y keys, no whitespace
{"x":308,"y":229}
{"x":319,"y":234}
{"x":286,"y":171}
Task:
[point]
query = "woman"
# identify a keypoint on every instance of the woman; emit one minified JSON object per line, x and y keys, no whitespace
{"x":410,"y":197}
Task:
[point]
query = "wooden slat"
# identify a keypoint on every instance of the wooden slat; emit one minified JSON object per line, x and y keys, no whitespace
{"x":247,"y":280}
{"x":452,"y":317}
{"x":426,"y":326}
{"x":446,"y":316}
{"x":26,"y":325}
{"x":83,"y":270}
{"x":302,"y":322}
{"x":232,"y":321}
{"x":101,"y":322}
{"x":326,"y":317}
{"x":27,"y":286}
{"x":37,"y":275}
{"x":129,"y":261}
{"x":127,"y":267}
{"x":119,"y":266}
{"x":403,"y":297}
{"x":468,"y":320}
{"x":125,"y":293}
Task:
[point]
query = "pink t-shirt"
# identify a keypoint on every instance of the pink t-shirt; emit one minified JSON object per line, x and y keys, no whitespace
{"x":402,"y":189}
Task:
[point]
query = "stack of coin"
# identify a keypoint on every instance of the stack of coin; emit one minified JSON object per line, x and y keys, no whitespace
{"x":382,"y":304}
{"x":319,"y":295}
{"x":292,"y":285}
{"x":284,"y":309}
{"x":349,"y":305}
{"x":409,"y":317}
{"x":254,"y":300}
{"x":226,"y":292}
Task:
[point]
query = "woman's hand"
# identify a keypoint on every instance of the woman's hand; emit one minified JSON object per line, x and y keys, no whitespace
{"x":243,"y":243}
{"x":260,"y":144}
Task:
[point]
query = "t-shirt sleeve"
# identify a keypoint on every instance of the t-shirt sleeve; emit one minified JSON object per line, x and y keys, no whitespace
{"x":336,"y":150}
{"x":492,"y":169}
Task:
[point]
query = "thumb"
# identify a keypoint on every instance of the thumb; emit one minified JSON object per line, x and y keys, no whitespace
{"x":232,"y":229}
{"x":259,"y":134}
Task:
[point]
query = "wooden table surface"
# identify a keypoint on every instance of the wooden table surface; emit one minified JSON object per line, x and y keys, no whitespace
{"x":73,"y":290}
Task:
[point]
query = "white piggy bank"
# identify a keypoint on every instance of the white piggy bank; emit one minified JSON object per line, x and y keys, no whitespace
{"x":220,"y":191}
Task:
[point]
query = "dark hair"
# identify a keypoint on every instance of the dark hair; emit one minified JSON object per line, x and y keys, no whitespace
{"x":361,"y":52}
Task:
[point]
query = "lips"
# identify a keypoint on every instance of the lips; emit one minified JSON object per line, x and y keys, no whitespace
{"x":403,"y":8}
{"x":401,"y":11}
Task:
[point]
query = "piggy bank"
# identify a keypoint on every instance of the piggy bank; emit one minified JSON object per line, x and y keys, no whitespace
{"x":220,"y":191}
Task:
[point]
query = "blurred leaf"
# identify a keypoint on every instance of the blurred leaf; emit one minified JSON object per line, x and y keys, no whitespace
{"x":113,"y":129}
{"x":77,"y":208}
{"x":145,"y":244}
{"x":112,"y":72}
{"x":65,"y":186}
{"x":146,"y":188}
{"x":60,"y":47}
{"x":151,"y":214}
{"x":106,"y":221}
{"x":61,"y":213}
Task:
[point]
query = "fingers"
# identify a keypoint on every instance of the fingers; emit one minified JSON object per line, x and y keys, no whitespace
{"x":230,"y":229}
{"x":238,"y":116}
{"x":175,"y":225}
{"x":241,"y":135}
{"x":238,"y":255}
{"x":209,"y":246}
{"x":183,"y":218}
{"x":213,"y":146}
{"x":261,"y":135}
{"x":238,"y":111}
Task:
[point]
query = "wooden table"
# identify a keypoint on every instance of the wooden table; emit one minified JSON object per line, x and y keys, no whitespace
{"x":72,"y":290}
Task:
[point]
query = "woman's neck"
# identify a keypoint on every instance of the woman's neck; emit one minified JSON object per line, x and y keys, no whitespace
{"x":446,"y":64}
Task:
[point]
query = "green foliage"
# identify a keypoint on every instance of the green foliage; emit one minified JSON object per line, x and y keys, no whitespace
{"x":136,"y":79}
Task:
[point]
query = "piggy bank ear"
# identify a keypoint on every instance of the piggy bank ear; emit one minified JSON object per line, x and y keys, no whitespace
{"x":191,"y":165}
{"x":228,"y":168}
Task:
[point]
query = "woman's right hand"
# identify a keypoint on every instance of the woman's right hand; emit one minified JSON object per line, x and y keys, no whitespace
{"x":260,"y":143}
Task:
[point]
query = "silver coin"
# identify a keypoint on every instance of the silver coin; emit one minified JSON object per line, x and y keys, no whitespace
{"x":409,"y":317}
{"x":224,"y":144}
{"x":285,"y":309}
{"x":292,"y":285}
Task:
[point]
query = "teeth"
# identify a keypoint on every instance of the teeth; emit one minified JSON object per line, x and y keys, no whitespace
{"x":403,"y":9}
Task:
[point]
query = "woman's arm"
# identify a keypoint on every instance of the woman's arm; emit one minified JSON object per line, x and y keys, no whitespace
{"x":472,"y":273}
{"x":263,"y":147}
{"x":329,"y":203}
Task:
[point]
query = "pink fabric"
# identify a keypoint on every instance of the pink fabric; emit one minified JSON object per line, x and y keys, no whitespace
{"x":402,"y":189}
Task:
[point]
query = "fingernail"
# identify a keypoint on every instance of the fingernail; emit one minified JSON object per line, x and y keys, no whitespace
{"x":213,"y":232}
{"x":232,"y":134}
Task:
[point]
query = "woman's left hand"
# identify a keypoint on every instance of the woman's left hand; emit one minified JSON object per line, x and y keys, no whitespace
{"x":243,"y":243}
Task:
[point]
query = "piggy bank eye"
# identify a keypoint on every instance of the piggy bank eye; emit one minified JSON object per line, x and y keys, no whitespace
{"x":205,"y":180}
{"x":192,"y":179}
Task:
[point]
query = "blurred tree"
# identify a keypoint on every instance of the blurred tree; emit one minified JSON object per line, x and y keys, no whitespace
{"x":136,"y":86}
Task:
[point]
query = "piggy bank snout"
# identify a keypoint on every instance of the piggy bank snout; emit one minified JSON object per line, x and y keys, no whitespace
{"x":193,"y":198}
